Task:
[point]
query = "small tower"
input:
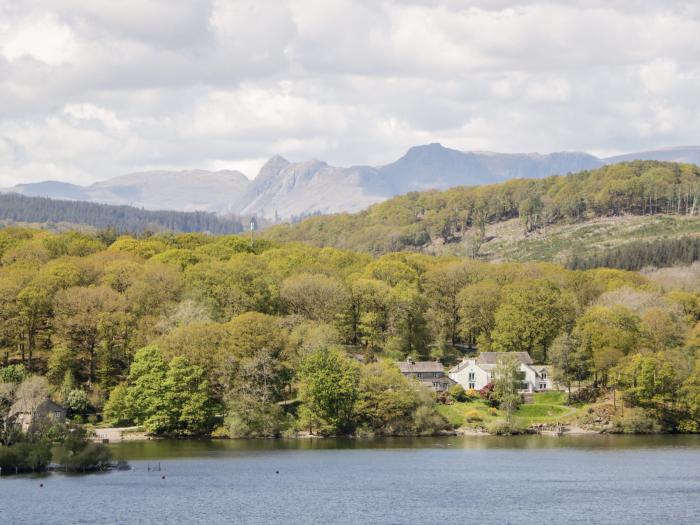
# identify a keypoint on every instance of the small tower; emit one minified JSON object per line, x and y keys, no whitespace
{"x":253,"y":225}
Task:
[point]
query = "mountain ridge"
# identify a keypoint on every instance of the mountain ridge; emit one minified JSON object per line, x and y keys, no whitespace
{"x":285,"y":189}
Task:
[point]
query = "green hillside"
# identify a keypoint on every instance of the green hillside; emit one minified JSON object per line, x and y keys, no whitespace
{"x":525,"y":219}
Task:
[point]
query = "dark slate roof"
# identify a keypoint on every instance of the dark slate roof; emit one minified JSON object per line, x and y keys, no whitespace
{"x":444,"y":379}
{"x":37,"y":406}
{"x":491,"y":358}
{"x":412,"y":367}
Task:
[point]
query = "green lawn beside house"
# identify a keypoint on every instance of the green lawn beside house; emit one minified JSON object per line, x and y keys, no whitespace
{"x":548,"y":407}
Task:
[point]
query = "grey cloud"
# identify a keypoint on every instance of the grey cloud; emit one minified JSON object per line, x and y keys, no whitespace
{"x":154,"y":83}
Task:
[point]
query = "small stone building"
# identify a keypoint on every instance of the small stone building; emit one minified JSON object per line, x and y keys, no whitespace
{"x":430,"y":374}
{"x":26,"y":413}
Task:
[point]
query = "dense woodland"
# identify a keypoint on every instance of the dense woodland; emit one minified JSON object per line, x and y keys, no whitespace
{"x":124,"y":219}
{"x":416,"y":220}
{"x":191,"y":334}
{"x":636,"y":255}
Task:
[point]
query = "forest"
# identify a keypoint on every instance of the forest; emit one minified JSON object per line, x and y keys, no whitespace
{"x":637,"y":255}
{"x":123,"y":219}
{"x":417,"y":220}
{"x":190,"y":334}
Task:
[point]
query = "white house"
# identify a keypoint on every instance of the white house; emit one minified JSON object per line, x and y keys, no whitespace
{"x":476,"y":373}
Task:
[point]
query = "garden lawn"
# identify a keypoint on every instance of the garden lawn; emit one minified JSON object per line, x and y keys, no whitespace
{"x":550,"y":398}
{"x":541,"y":413}
{"x":548,"y":407}
{"x":457,"y":413}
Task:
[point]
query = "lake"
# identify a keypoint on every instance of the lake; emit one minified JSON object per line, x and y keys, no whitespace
{"x":528,"y":479}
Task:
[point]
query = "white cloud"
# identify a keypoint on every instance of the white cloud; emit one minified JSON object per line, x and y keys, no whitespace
{"x":38,"y":36}
{"x":93,"y":89}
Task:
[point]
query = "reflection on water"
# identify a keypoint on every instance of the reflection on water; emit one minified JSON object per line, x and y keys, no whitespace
{"x":156,"y":449}
{"x":482,"y":479}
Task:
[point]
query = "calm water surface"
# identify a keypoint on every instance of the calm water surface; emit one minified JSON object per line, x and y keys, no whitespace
{"x":587,"y":479}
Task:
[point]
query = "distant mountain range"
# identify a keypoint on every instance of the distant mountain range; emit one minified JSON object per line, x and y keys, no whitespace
{"x":286,"y":189}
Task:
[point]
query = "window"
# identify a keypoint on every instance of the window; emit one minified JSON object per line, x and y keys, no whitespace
{"x":57,"y":414}
{"x":471,"y":376}
{"x":436,"y":374}
{"x":472,"y":386}
{"x":543,"y":386}
{"x":544,"y":374}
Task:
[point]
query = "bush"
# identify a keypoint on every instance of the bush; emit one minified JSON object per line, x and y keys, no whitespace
{"x":76,"y":453}
{"x":493,"y":411}
{"x":472,"y":395}
{"x":25,"y":457}
{"x":260,"y":420}
{"x":487,"y":394}
{"x":427,"y":421}
{"x":473,"y":416}
{"x":457,"y":393}
{"x":13,"y":374}
{"x":502,"y":427}
{"x":77,"y":401}
{"x":635,"y":421}
{"x":688,"y":426}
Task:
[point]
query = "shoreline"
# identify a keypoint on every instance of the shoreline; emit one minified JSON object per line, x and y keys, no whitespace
{"x":123,"y":435}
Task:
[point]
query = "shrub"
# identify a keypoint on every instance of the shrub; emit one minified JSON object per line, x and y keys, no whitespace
{"x":493,"y":411}
{"x":472,"y":394}
{"x":221,"y":432}
{"x":77,"y":401}
{"x":457,"y":393}
{"x":13,"y":374}
{"x":25,"y":457}
{"x":502,"y":427}
{"x":688,"y":426}
{"x":76,"y":453}
{"x":634,"y":421}
{"x":487,"y":394}
{"x":473,"y":416}
{"x":428,"y":421}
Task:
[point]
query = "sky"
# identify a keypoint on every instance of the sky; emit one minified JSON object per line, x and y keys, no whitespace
{"x":92,"y":89}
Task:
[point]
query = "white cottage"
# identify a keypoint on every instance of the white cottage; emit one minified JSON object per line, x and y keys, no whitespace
{"x":476,"y":373}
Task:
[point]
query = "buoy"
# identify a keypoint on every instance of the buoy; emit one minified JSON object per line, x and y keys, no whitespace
{"x":162,"y":477}
{"x":41,"y":484}
{"x":277,"y":471}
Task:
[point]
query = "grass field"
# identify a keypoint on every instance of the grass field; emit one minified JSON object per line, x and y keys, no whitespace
{"x":548,"y":407}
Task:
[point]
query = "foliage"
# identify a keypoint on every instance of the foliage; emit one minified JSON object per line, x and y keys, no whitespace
{"x":166,"y":330}
{"x":458,"y":393}
{"x":165,"y":398}
{"x":531,"y":315}
{"x":507,"y":427}
{"x":416,"y":220}
{"x":77,"y":401}
{"x":20,"y":208}
{"x":13,"y":374}
{"x":77,"y":453}
{"x":636,"y":255}
{"x":388,"y":404}
{"x":507,"y":384}
{"x":25,"y":456}
{"x":329,"y":391}
{"x":635,"y":421}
